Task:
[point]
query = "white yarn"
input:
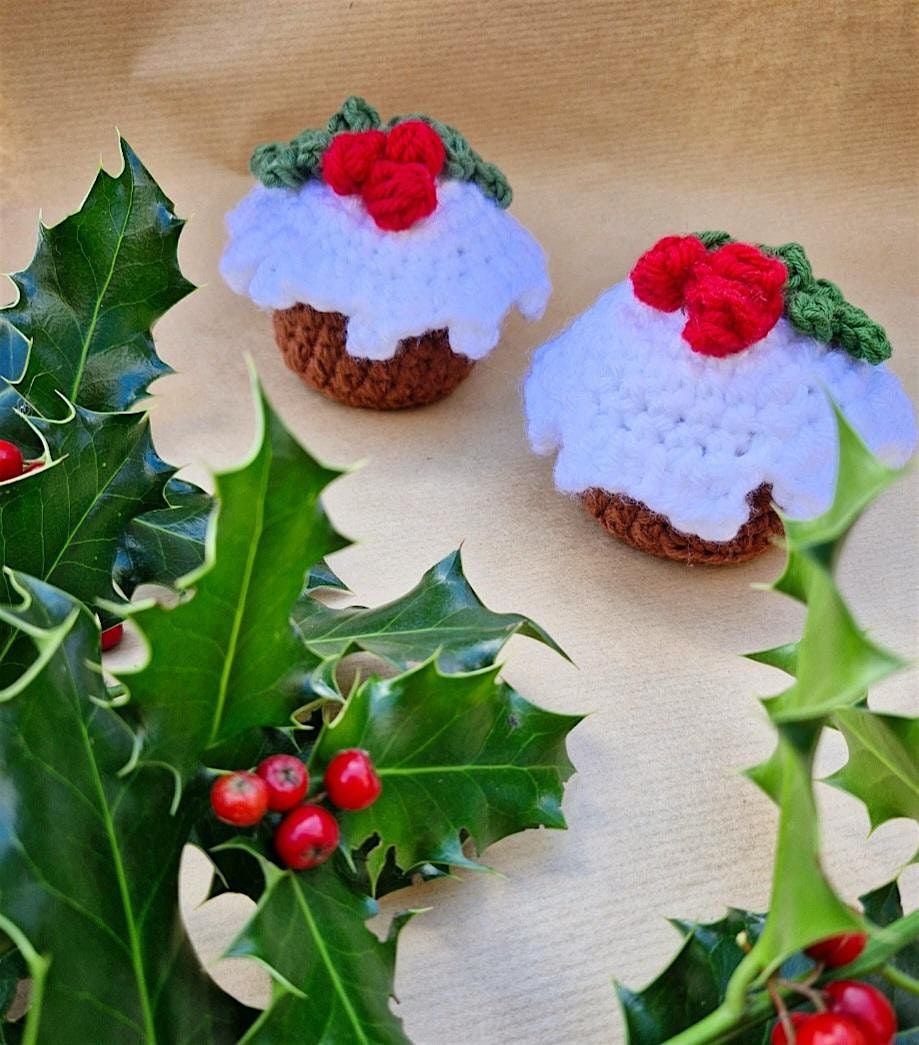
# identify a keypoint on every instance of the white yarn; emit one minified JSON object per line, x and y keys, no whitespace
{"x":633,"y":410}
{"x":462,"y":268}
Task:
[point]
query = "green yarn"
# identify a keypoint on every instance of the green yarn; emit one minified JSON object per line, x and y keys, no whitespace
{"x":290,"y":164}
{"x":355,"y":114}
{"x":817,"y":307}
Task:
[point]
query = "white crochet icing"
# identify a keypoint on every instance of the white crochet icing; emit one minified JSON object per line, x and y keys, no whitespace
{"x":633,"y":410}
{"x":462,"y":268}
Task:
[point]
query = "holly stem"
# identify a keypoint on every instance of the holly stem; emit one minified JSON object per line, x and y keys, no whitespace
{"x":803,"y":987}
{"x":782,"y":1009}
{"x":900,"y":979}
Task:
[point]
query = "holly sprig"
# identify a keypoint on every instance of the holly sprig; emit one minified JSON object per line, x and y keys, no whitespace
{"x":241,"y":662}
{"x":731,"y":978}
{"x":290,"y":164}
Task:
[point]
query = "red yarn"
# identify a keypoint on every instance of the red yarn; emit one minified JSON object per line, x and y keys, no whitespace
{"x":660,"y":275}
{"x":735,"y":297}
{"x":416,"y":142}
{"x":399,"y":194}
{"x":347,"y":162}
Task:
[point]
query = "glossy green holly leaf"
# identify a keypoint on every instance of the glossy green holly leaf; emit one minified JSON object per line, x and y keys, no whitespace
{"x":834,"y":663}
{"x":62,"y":522}
{"x":883,"y":765}
{"x":441,"y":615}
{"x":89,"y":851}
{"x":165,"y":544}
{"x":459,"y":755}
{"x":883,"y":907}
{"x":97,"y":283}
{"x":694,"y":984}
{"x":332,"y":977}
{"x":229,"y":648}
{"x":14,"y":349}
{"x":804,"y":907}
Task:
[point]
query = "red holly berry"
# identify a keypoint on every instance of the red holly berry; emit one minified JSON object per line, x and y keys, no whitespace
{"x":829,"y":1028}
{"x":306,"y":837}
{"x":416,"y":142}
{"x":660,"y":275}
{"x":287,"y":781}
{"x":865,"y":1005}
{"x":347,"y":162}
{"x":240,"y":799}
{"x":111,"y":637}
{"x":837,"y":951}
{"x":397,"y":195}
{"x":779,"y":1037}
{"x":10,"y":460}
{"x":351,"y":781}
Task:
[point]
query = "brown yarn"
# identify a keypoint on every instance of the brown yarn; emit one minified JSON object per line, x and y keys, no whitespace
{"x":423,"y":370}
{"x":635,"y":523}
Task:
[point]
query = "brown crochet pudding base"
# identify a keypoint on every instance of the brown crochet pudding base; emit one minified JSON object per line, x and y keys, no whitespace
{"x":423,"y":370}
{"x":635,"y":523}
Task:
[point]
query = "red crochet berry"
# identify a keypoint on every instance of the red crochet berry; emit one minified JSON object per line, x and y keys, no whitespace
{"x":111,"y":637}
{"x":10,"y":460}
{"x":306,"y":837}
{"x":838,"y":950}
{"x":779,"y":1037}
{"x":398,"y":194}
{"x":240,"y":799}
{"x":866,"y":1006}
{"x":734,"y":298}
{"x":348,"y":160}
{"x":351,"y":781}
{"x":829,"y":1028}
{"x":660,"y":275}
{"x":415,"y":142}
{"x":287,"y":781}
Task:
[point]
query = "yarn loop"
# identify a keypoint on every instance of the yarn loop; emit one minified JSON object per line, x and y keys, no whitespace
{"x":817,"y":307}
{"x":397,"y":195}
{"x":289,"y":164}
{"x":416,"y":142}
{"x":732,"y":295}
{"x":347,"y":162}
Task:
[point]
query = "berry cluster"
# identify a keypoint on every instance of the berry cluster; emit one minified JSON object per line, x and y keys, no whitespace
{"x":308,"y":833}
{"x":393,"y":171}
{"x":847,"y":1012}
{"x":732,"y":296}
{"x":12,"y":463}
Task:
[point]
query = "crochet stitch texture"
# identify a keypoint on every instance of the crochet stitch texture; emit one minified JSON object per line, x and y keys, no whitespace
{"x":461,"y":269}
{"x":633,"y":411}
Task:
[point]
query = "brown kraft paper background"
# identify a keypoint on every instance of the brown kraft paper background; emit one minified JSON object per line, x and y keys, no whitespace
{"x":616,"y":123}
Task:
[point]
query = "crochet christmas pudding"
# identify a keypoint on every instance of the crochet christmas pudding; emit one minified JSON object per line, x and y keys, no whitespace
{"x":694,"y":396}
{"x":386,"y":253}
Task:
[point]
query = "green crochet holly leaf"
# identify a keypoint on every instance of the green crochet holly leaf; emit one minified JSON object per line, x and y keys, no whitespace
{"x":459,"y":756}
{"x":441,"y":615}
{"x":90,"y":850}
{"x":229,"y":646}
{"x":97,"y":283}
{"x":693,"y":984}
{"x":834,"y":663}
{"x":817,"y":307}
{"x":332,"y":977}
{"x":61,"y":523}
{"x":883,"y":765}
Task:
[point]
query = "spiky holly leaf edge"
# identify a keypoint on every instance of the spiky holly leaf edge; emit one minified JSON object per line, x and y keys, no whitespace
{"x":727,"y":1000}
{"x":291,"y":164}
{"x":817,"y":307}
